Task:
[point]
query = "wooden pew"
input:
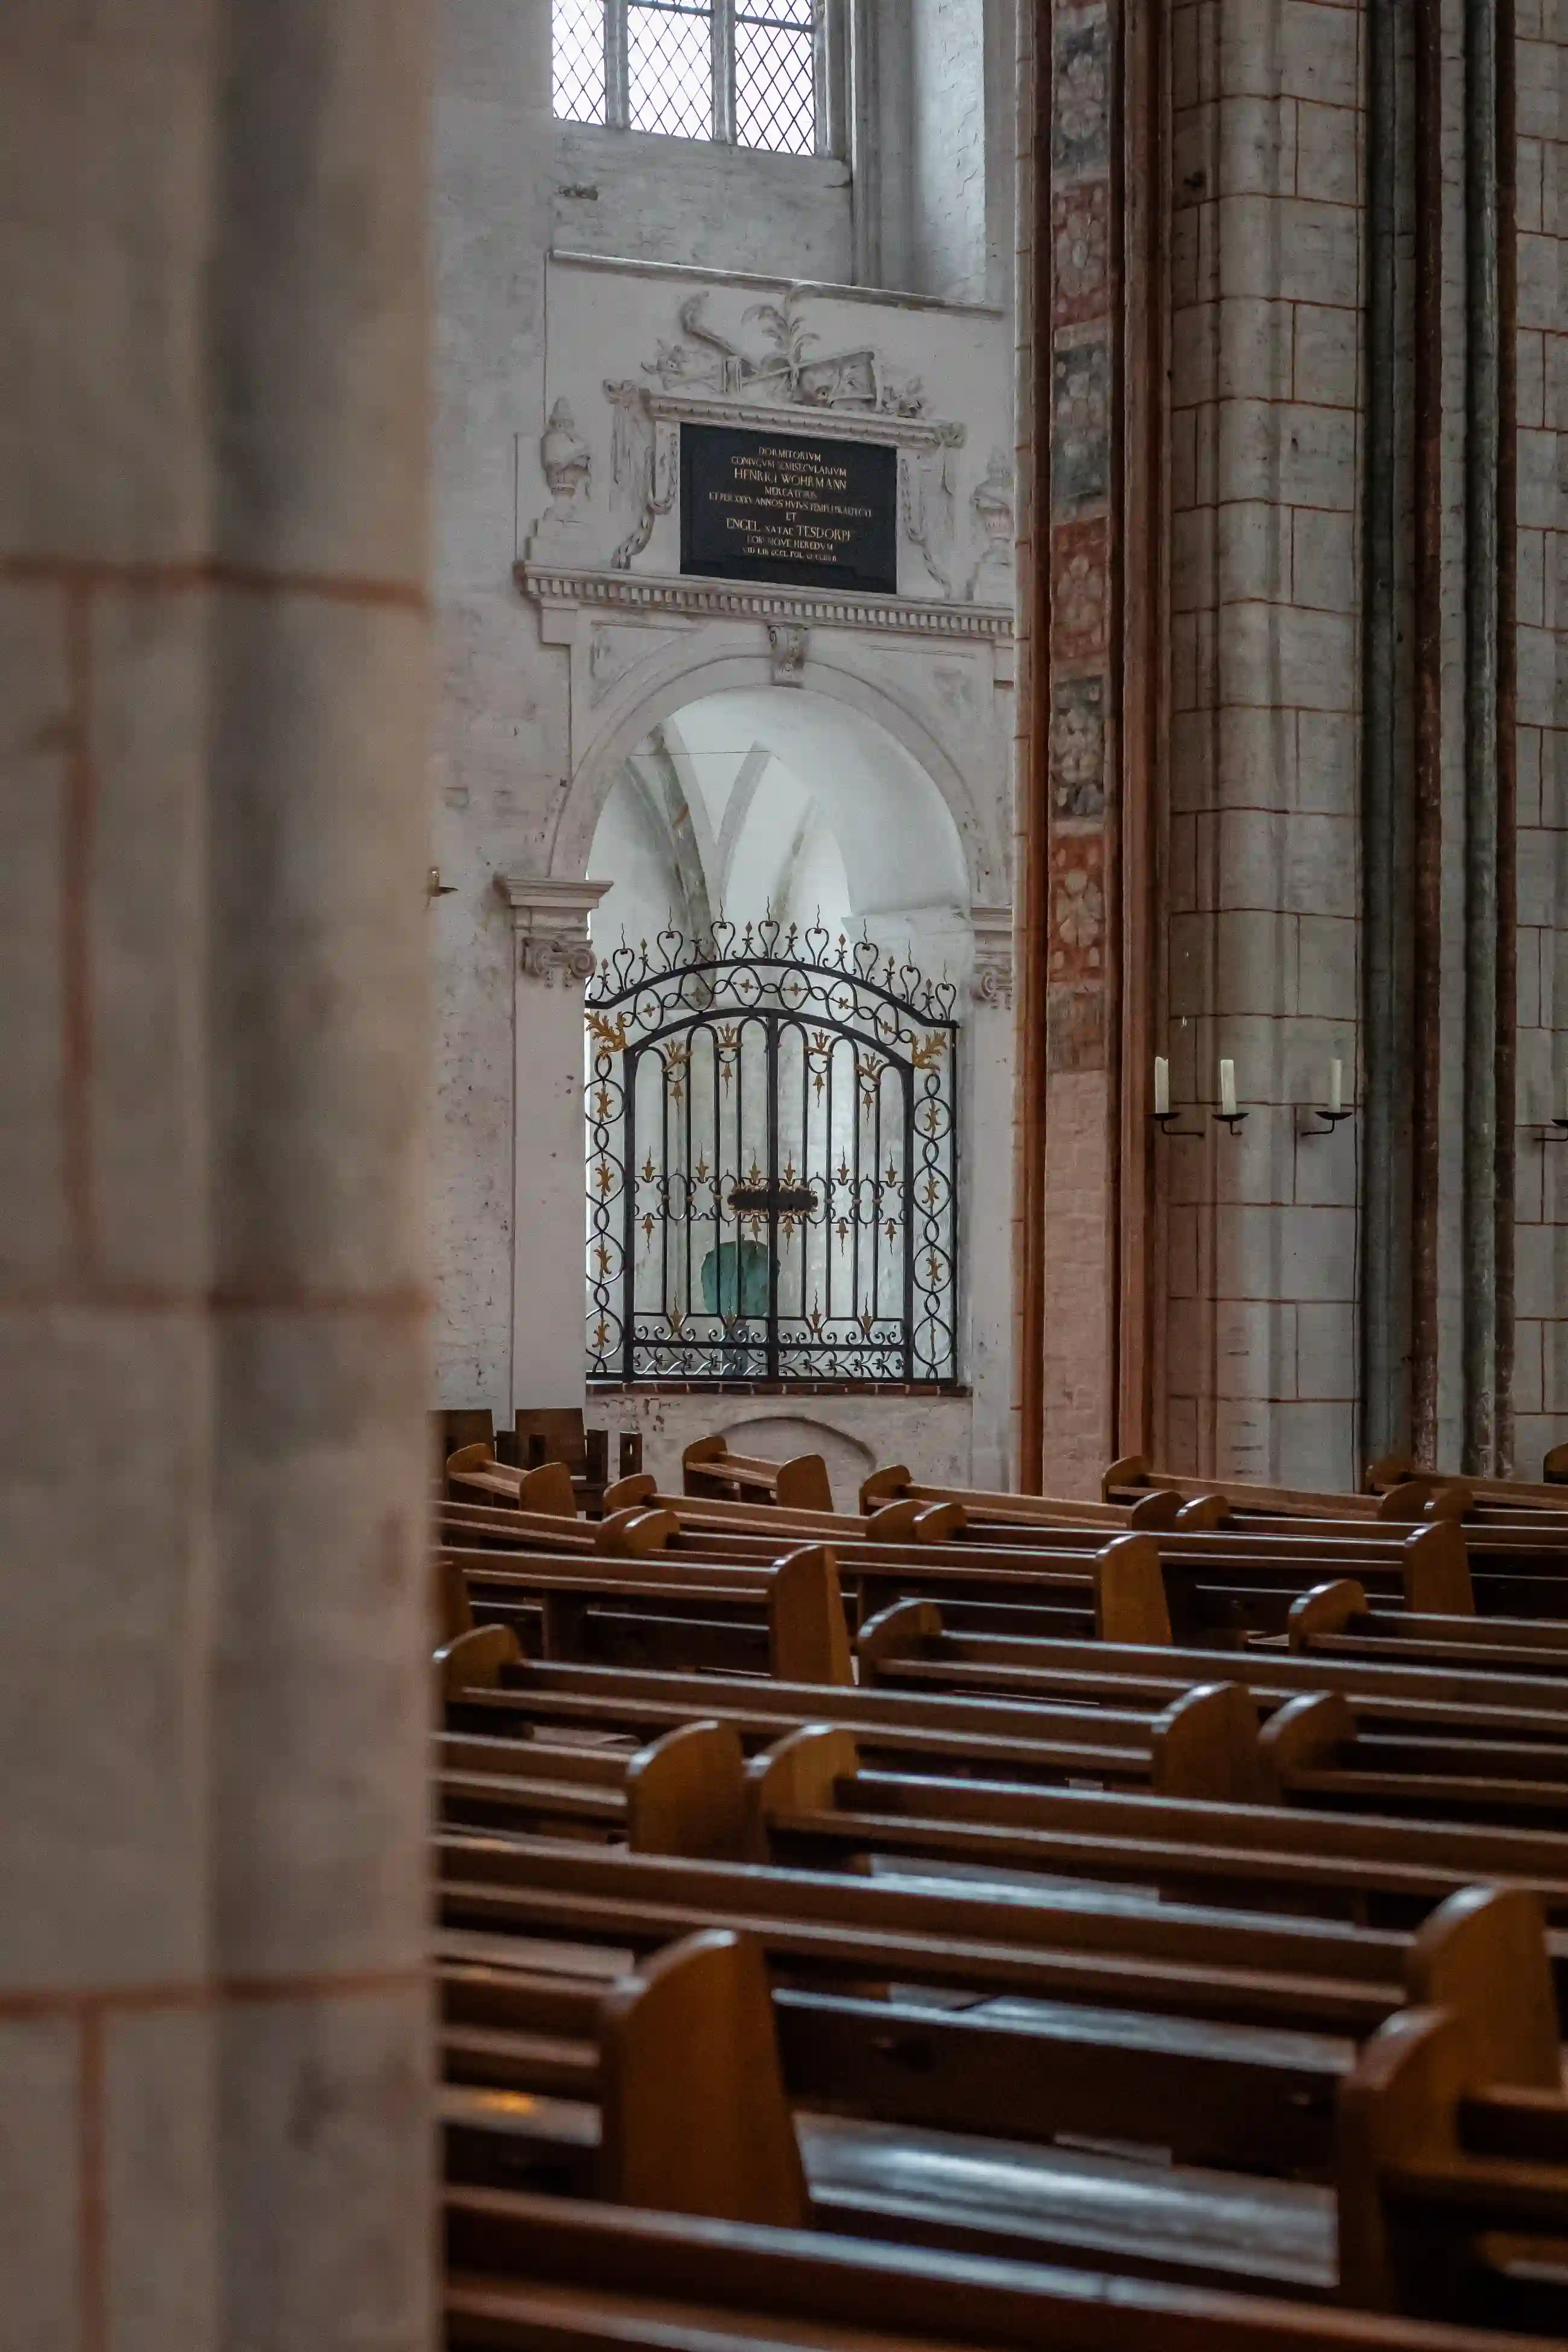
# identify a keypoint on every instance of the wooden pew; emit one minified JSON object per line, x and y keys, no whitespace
{"x":739,"y":1515}
{"x":928,"y":1514}
{"x":542,"y":1433}
{"x":809,"y":1800}
{"x":684,"y":1793}
{"x":1540,"y":1497}
{"x":1226,"y":1579}
{"x":685,"y":2081}
{"x":1203,"y":1744}
{"x":474,"y":1475}
{"x":1519,"y":1563}
{"x":1213,"y":1587}
{"x":913,"y":1645}
{"x":1452,"y":2191}
{"x":1330,"y":1756}
{"x":1317,"y":1748}
{"x":1336,"y":1621}
{"x":708,"y":1467}
{"x":1205,"y":1747}
{"x":988,"y":1507}
{"x":1116,"y":1592}
{"x":812,"y":1803}
{"x":786,"y":1619}
{"x":1314,"y":1752}
{"x":1211,"y":1593}
{"x":537,"y":2274}
{"x":1510,"y":1530}
{"x":1075,"y":1944}
{"x":1449,"y":1736}
{"x":1070,"y":1693}
{"x":1241,"y":1574}
{"x":816,"y":1951}
{"x":696,"y":2069}
{"x":1130,"y":1477}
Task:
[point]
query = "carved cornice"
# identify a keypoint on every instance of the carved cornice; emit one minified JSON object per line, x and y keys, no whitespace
{"x":550,"y":921}
{"x":732,"y":600}
{"x":993,"y":930}
{"x":804,"y":420}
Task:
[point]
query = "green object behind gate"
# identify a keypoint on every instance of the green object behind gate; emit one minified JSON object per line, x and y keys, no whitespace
{"x":735,"y":1279}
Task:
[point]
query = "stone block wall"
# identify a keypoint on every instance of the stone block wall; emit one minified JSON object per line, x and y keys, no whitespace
{"x":1261,"y":939}
{"x":1540,"y":1332}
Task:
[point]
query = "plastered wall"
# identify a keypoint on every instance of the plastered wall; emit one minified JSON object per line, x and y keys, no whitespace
{"x":547,"y":684}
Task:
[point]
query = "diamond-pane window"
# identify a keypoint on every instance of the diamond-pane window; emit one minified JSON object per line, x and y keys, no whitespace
{"x":775,"y":77}
{"x":578,"y":34}
{"x":670,"y":68}
{"x":743,"y":71}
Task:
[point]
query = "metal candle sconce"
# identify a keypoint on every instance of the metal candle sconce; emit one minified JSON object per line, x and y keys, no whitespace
{"x":1227,"y":1115}
{"x":1165,"y":1118}
{"x":1335,"y":1110}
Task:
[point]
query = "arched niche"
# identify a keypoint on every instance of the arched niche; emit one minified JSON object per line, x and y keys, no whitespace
{"x":894,"y":735}
{"x":768,"y":798}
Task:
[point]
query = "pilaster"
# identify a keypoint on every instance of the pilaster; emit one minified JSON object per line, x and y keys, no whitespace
{"x":551,"y":960}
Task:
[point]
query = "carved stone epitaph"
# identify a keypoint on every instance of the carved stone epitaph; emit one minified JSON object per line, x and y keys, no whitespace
{"x":785,"y":508}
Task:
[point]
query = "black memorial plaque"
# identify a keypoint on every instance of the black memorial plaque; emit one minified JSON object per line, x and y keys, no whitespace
{"x":776,"y":506}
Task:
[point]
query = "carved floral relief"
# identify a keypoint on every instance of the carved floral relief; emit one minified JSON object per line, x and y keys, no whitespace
{"x":788,"y":366}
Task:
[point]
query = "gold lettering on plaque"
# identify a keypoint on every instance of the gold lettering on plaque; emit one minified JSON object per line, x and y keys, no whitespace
{"x":789,"y":501}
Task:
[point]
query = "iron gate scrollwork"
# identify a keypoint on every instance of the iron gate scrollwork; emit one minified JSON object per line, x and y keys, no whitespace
{"x":772,"y":1162}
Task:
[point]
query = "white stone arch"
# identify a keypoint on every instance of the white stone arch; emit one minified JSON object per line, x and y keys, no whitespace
{"x":695,"y":670}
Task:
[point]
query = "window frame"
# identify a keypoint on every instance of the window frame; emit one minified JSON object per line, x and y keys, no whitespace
{"x":827,"y":78}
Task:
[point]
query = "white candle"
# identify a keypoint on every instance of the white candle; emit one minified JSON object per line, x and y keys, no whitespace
{"x":1336,"y":1086}
{"x":1162,"y":1086}
{"x":1226,"y":1089}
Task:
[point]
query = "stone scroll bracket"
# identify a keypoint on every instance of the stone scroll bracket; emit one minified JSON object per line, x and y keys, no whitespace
{"x":993,"y":930}
{"x":550,"y":923}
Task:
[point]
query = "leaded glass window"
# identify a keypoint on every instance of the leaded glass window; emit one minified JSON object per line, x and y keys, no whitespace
{"x":749,"y":73}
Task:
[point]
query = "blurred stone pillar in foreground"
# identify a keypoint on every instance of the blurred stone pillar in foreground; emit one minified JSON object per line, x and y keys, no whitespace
{"x":213,"y":2061}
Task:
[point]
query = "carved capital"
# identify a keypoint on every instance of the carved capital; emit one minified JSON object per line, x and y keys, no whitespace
{"x":790,"y":642}
{"x":550,"y":922}
{"x":542,"y":959}
{"x":993,"y":930}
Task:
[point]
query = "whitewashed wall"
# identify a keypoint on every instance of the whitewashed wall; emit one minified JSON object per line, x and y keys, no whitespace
{"x":552,"y":678}
{"x":650,"y":199}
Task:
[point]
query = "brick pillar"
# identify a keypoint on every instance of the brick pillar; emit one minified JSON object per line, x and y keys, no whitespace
{"x":213,"y":2032}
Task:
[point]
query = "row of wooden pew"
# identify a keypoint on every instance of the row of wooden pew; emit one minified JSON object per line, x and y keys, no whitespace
{"x":1000,"y":1922}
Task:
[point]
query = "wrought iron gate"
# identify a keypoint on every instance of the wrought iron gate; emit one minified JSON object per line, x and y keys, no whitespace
{"x":771,"y":1162}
